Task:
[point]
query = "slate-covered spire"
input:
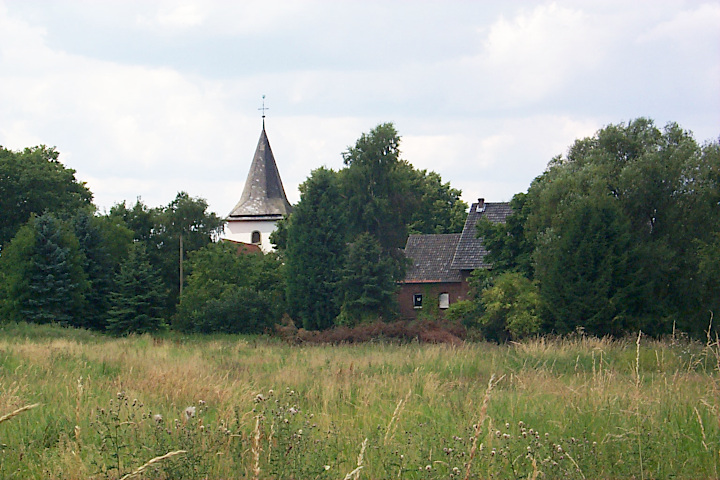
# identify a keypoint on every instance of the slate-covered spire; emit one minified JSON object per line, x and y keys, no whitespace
{"x":263,"y":195}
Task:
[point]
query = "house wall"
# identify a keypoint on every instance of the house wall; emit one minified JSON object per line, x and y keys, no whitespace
{"x":431,"y":296}
{"x":241,"y":231}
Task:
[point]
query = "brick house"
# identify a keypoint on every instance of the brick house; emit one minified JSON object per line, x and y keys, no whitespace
{"x":437,"y":275}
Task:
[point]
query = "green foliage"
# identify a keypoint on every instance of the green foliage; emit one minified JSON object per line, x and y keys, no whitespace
{"x":616,"y":232}
{"x":184,"y":221}
{"x":316,"y":237}
{"x":588,"y":272}
{"x":161,"y":230}
{"x":437,"y":207}
{"x":367,"y":284}
{"x":511,"y":308}
{"x":135,"y":302}
{"x":42,"y":271}
{"x":33,"y":181}
{"x":509,"y":248}
{"x":465,"y":312}
{"x":378,"y":195}
{"x":230,"y":292}
{"x":104,"y":246}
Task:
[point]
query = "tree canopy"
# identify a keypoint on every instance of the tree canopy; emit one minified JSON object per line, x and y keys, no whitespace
{"x":33,"y":181}
{"x":620,"y":233}
{"x":362,"y":213}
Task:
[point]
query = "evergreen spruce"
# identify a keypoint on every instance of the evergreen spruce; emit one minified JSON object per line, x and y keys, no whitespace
{"x":98,"y":265}
{"x":57,"y":284}
{"x":136,"y":302}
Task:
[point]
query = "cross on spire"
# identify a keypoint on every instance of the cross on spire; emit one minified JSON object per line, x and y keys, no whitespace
{"x":263,"y":108}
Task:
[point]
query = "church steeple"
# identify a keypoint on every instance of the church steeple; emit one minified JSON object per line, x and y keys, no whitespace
{"x":263,"y":195}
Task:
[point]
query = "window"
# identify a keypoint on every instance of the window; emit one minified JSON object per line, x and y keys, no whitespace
{"x":255,"y":238}
{"x":417,"y":300}
{"x":444,"y":300}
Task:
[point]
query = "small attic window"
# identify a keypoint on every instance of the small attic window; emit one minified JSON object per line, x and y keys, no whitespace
{"x":255,"y":237}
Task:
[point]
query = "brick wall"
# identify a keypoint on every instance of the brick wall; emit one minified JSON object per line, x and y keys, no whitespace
{"x":430,"y":297}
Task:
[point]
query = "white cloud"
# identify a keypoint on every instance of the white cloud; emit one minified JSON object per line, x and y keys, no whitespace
{"x":494,"y":102}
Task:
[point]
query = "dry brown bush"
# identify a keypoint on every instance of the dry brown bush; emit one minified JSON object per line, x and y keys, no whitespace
{"x":423,"y":331}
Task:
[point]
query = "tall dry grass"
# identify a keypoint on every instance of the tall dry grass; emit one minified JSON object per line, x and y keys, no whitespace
{"x":584,"y":407}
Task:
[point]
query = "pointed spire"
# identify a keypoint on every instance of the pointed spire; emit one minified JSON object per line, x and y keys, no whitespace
{"x":263,"y":195}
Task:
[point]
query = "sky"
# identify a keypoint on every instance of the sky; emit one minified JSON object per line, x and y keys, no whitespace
{"x":149,"y":98}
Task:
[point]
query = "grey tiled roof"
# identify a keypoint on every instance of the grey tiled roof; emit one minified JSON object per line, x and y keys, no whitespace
{"x":470,"y":252}
{"x":263,"y":196}
{"x":430,"y":257}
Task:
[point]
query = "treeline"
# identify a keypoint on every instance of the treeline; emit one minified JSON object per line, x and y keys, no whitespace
{"x":142,"y":269}
{"x":340,"y":250}
{"x":620,"y":234}
{"x":62,"y":262}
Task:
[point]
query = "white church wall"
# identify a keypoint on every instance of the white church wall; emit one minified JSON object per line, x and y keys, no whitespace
{"x":241,"y":231}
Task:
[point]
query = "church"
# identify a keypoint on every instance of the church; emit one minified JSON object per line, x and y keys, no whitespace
{"x":262,"y":204}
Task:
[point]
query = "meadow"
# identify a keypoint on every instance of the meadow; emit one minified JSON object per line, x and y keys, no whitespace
{"x":78,"y":405}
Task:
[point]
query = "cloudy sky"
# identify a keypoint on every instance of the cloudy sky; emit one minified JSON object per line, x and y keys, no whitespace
{"x":148,"y":98}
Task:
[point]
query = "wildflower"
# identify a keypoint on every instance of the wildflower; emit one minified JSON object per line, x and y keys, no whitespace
{"x":201,"y":403}
{"x":507,"y":425}
{"x":189,"y":413}
{"x":521,"y":424}
{"x":497,"y":433}
{"x":259,"y":398}
{"x":157,"y":418}
{"x":300,"y":432}
{"x":293,"y":410}
{"x":456,"y":470}
{"x":559,"y":449}
{"x":327,"y":467}
{"x":428,"y":467}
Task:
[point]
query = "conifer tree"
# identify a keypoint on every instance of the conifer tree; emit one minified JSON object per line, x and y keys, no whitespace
{"x":137,"y":299}
{"x":43,"y":276}
{"x":367,"y":283}
{"x":316,"y":237}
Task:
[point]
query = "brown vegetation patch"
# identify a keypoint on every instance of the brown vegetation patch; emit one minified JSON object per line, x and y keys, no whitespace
{"x":423,"y":331}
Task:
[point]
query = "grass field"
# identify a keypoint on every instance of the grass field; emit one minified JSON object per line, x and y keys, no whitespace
{"x":227,"y":407}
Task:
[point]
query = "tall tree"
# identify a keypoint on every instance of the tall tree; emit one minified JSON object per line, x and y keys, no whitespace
{"x":620,"y":230}
{"x":136,"y":300}
{"x":316,"y":238}
{"x":376,"y":187}
{"x":33,"y":181}
{"x":185,"y":225}
{"x":367,"y":284}
{"x":43,"y":275}
{"x":376,"y":195}
{"x":104,"y":245}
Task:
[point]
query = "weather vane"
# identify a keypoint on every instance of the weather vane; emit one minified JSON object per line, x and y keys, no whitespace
{"x":263,"y":108}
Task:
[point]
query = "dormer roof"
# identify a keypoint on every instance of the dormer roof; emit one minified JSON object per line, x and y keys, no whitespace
{"x":263,"y":196}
